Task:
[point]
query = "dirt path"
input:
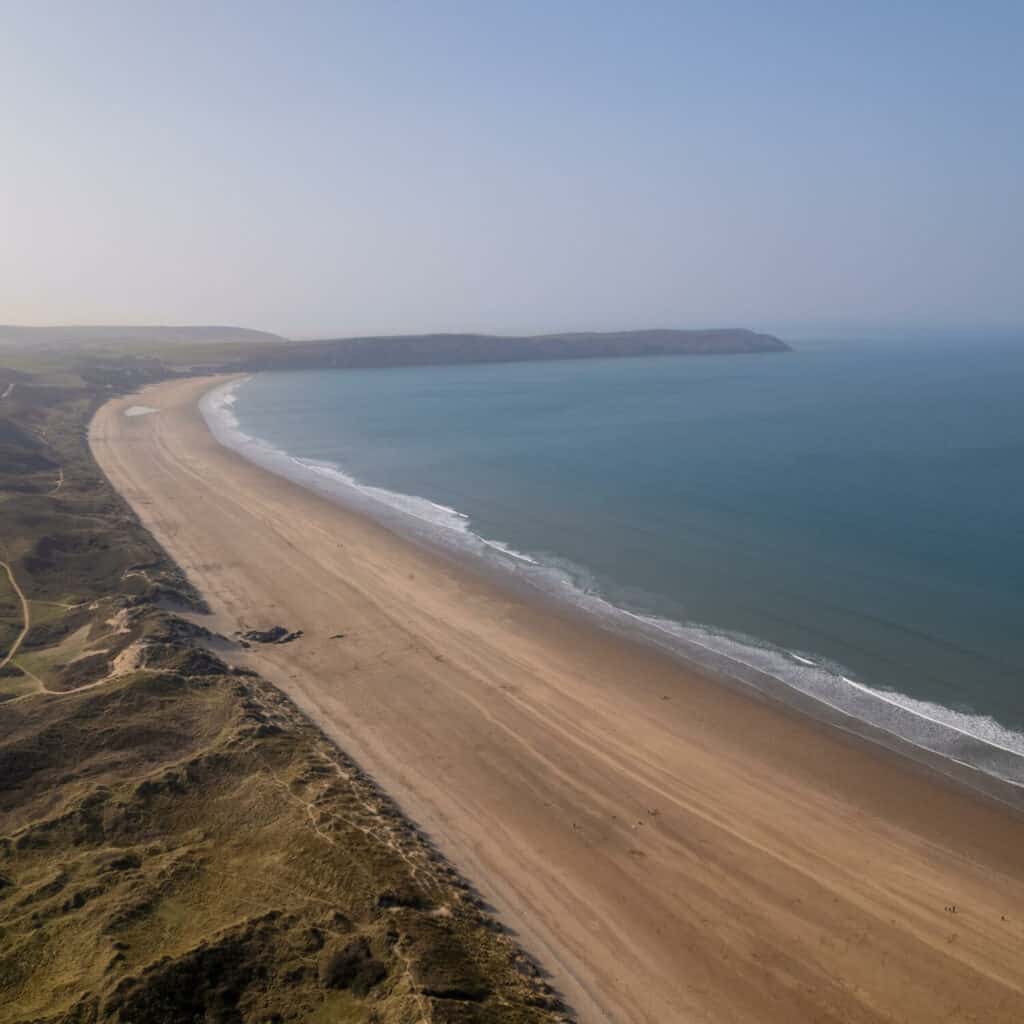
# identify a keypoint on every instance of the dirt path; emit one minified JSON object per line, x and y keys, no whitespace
{"x":702,"y":858}
{"x":43,"y":688}
{"x":25,"y":613}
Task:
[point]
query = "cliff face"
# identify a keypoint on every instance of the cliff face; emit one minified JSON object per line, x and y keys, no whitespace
{"x":427,"y":349}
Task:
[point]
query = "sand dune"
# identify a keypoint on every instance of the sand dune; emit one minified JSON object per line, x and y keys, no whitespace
{"x":670,"y":850}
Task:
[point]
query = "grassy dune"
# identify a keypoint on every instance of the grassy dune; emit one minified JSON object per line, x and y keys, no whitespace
{"x":177,"y":842}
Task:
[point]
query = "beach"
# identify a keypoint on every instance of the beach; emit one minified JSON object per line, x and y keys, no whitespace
{"x":669,"y":849}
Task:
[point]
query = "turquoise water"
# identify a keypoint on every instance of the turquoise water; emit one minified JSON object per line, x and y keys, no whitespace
{"x":846,"y":521}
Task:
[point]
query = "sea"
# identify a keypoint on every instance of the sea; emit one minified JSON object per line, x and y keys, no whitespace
{"x":840,"y":527}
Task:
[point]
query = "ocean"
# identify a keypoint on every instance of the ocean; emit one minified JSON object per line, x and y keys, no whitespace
{"x":841,"y":527}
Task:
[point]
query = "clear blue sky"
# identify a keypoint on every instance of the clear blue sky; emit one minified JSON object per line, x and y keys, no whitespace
{"x":347,"y":168}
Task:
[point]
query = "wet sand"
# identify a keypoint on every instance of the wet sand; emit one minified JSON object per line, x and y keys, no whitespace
{"x":668,"y":849}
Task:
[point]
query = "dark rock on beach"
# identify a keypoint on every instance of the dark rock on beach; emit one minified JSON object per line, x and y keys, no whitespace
{"x":273,"y":635}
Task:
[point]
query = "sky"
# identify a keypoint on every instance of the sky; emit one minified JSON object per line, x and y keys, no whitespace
{"x":384,"y":167}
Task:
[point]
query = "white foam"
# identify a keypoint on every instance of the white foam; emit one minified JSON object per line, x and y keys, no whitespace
{"x":983,"y":728}
{"x":497,"y":545}
{"x":218,"y":409}
{"x":140,"y":410}
{"x":423,"y":509}
{"x":957,"y":735}
{"x":971,"y":739}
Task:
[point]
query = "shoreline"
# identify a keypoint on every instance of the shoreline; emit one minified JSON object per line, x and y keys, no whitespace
{"x":700,"y":857}
{"x":980,"y":764}
{"x":178,"y":841}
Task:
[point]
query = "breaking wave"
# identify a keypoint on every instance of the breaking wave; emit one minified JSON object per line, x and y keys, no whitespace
{"x":946,"y":737}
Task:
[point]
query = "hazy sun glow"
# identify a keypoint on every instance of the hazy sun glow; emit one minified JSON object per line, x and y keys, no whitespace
{"x":320,"y":168}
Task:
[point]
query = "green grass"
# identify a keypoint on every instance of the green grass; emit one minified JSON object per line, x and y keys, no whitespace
{"x":12,"y":687}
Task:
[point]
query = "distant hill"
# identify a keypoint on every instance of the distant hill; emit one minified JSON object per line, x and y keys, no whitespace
{"x":120,"y":336}
{"x":427,"y":349}
{"x":231,"y":349}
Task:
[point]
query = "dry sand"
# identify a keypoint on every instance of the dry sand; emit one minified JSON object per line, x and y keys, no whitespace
{"x":668,"y":849}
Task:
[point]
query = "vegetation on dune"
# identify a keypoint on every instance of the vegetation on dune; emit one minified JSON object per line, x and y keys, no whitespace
{"x":177,"y":842}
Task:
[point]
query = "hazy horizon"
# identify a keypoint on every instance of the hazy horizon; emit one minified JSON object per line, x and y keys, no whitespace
{"x":392,"y":169}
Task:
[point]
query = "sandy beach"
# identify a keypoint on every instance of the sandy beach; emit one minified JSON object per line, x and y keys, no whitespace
{"x":668,"y":849}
